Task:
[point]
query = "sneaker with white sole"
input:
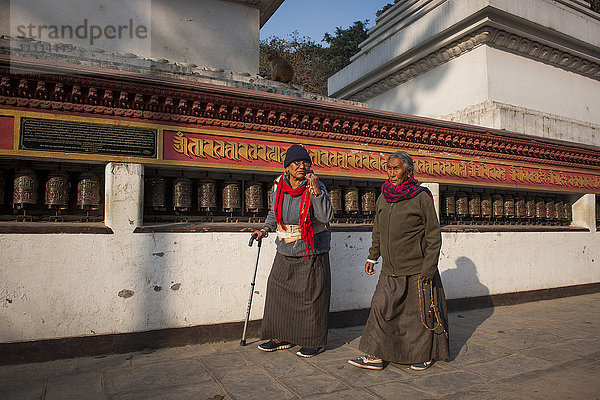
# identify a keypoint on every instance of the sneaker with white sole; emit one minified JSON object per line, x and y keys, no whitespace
{"x":272,"y":345}
{"x":422,"y":366}
{"x":367,"y":363}
{"x":307,"y":352}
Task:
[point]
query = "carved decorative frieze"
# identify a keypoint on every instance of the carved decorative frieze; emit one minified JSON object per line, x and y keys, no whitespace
{"x":205,"y":105}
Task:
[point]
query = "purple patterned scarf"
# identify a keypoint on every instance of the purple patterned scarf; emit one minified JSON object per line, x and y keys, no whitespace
{"x":406,"y":190}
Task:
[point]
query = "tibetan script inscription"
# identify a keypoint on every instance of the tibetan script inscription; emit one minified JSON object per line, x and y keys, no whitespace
{"x":330,"y":159}
{"x":236,"y":150}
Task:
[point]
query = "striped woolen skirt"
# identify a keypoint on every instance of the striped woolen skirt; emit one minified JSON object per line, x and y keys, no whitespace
{"x":297,"y":302}
{"x":395,"y":330}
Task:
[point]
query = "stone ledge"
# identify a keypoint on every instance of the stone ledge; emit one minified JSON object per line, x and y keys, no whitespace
{"x":37,"y":228}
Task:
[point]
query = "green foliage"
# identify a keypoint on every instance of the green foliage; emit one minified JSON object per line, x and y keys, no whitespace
{"x":385,"y":8}
{"x":312,"y":62}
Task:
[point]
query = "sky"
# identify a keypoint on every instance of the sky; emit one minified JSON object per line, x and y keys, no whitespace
{"x":313,"y":18}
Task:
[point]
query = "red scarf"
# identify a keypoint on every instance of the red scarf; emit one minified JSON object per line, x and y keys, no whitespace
{"x":305,"y":218}
{"x":406,"y":190}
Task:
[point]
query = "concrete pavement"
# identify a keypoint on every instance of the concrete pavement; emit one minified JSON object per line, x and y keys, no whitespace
{"x":543,"y":350}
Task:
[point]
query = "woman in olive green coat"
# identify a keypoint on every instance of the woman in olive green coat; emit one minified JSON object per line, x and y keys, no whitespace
{"x":408,"y":319}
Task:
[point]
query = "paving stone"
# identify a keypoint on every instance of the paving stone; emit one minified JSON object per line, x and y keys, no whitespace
{"x":580,"y":347}
{"x":551,"y":354}
{"x":472,"y":352}
{"x":23,"y":390}
{"x":522,"y":338}
{"x":356,"y":394}
{"x":146,"y":378}
{"x":91,"y":364}
{"x":451,"y":382}
{"x":200,"y":391}
{"x":358,"y":377}
{"x":311,"y":385}
{"x":342,"y":354}
{"x":399,"y":390}
{"x":251,"y":382}
{"x":152,"y":356}
{"x":282,"y":363}
{"x":220,"y":365}
{"x":25,"y":372}
{"x":73,"y":386}
{"x":512,"y":365}
{"x":235,"y":347}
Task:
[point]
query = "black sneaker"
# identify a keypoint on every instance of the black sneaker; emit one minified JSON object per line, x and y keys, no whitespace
{"x":309,"y":351}
{"x":422,"y":366}
{"x":364,"y":362}
{"x":272,"y":345}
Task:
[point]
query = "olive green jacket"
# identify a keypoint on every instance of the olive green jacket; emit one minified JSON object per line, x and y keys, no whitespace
{"x":407,"y":236}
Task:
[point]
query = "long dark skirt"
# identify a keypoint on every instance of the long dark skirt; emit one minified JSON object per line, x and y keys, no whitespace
{"x":394,"y":330}
{"x":297,"y":303}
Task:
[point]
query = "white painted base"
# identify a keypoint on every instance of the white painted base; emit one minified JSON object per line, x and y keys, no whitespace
{"x":61,"y":285}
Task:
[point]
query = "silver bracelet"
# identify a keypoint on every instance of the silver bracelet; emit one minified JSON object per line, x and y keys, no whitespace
{"x":265,"y":231}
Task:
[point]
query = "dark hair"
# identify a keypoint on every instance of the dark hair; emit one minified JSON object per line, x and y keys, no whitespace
{"x":403,"y":156}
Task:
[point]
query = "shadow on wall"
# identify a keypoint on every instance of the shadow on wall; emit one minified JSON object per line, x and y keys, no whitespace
{"x":464,"y":324}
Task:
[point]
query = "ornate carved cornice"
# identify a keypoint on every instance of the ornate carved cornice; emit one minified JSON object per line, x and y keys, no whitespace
{"x":490,"y":36}
{"x":246,"y":110}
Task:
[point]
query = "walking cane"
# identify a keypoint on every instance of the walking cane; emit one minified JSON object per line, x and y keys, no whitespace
{"x":243,"y":341}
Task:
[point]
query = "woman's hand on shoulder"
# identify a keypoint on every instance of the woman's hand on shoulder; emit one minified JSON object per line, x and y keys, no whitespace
{"x":369,"y":268}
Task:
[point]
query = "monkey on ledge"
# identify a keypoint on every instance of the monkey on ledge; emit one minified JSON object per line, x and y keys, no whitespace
{"x":281,"y":70}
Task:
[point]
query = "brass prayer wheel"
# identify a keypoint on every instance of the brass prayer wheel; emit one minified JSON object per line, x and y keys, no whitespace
{"x":57,"y":191}
{"x":559,"y":209}
{"x":550,"y":208}
{"x":88,"y":191}
{"x":569,"y":211}
{"x":462,"y":204}
{"x":509,"y":206}
{"x":368,"y":201}
{"x":254,"y":197}
{"x":25,"y":188}
{"x":351,"y":200}
{"x":182,"y":194}
{"x":449,"y":204}
{"x":486,"y":206}
{"x":498,"y":206}
{"x":207,"y":196}
{"x":520,"y":207}
{"x":530,"y":207}
{"x":474,"y":205}
{"x":540,"y":208}
{"x":335,"y":196}
{"x":231,"y":196}
{"x":156,"y":192}
{"x":2,"y":188}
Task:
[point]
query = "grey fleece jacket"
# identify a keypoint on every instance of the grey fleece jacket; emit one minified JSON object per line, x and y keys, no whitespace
{"x":322,"y":214}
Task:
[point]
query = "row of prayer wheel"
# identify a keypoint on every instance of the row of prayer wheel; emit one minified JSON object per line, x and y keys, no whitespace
{"x":56,"y":188}
{"x":349,"y":200}
{"x":461,"y":205}
{"x":182,"y":195}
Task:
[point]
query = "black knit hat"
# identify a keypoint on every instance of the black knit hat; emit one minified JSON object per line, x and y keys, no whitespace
{"x":296,"y":152}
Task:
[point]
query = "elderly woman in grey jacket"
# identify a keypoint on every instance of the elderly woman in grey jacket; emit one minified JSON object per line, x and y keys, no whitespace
{"x":299,"y":285}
